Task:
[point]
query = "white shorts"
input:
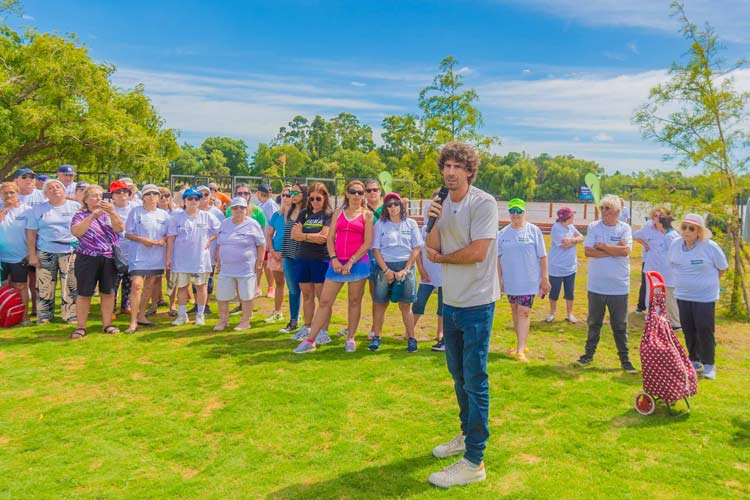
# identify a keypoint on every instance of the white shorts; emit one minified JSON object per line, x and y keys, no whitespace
{"x":182,"y":280}
{"x":228,"y":288}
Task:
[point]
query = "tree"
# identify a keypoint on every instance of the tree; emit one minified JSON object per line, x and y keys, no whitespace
{"x":188,"y":162}
{"x":233,"y":150}
{"x":401,"y":135}
{"x":57,"y":104}
{"x":450,"y":114}
{"x":700,"y":115}
{"x":350,"y":134}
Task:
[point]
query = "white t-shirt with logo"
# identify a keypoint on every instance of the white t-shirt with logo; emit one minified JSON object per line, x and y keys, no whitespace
{"x":189,"y":252}
{"x":696,"y":271}
{"x":13,"y":235}
{"x":562,"y":261}
{"x":397,"y":240}
{"x":146,"y":224}
{"x":519,"y":251}
{"x":238,"y":250}
{"x":609,"y":275}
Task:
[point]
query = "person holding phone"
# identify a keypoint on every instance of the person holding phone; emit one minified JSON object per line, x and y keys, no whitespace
{"x":522,"y":271}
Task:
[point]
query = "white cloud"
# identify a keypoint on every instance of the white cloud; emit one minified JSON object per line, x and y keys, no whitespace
{"x":358,"y":84}
{"x":632,"y":47}
{"x":731,"y":18}
{"x":603,"y":137}
{"x":27,"y":17}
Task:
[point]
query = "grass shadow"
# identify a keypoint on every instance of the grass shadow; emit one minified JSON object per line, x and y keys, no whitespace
{"x":379,"y":481}
{"x":553,"y":371}
{"x":741,"y":437}
{"x":660,"y":417}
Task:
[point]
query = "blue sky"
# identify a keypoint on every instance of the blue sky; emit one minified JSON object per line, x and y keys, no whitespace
{"x":555,"y":76}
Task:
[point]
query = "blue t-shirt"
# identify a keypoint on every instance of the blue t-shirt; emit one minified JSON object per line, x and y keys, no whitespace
{"x":562,"y":261}
{"x":13,"y":235}
{"x":696,"y":271}
{"x":53,"y":226}
{"x":124,"y":212}
{"x":189,"y":252}
{"x":609,"y":275}
{"x":396,"y":240}
{"x":277,"y":223}
{"x":152,"y":225}
{"x":519,"y":251}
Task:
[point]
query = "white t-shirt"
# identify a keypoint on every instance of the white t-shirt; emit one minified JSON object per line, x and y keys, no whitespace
{"x":269,"y":207}
{"x":397,"y":240}
{"x":654,"y":238}
{"x":562,"y":261}
{"x":661,"y":260}
{"x":519,"y":251}
{"x":609,"y":275}
{"x":696,"y":271}
{"x":70,"y":189}
{"x":34,"y":198}
{"x":53,"y":226}
{"x":189,"y":252}
{"x":13,"y":235}
{"x":238,"y":247}
{"x":123,"y":212}
{"x":473,"y":218}
{"x":152,"y":225}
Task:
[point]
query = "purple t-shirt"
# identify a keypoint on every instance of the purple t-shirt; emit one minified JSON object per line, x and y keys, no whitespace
{"x":100,"y":237}
{"x":237,"y":247}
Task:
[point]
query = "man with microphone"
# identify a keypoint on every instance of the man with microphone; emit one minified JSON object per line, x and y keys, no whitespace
{"x":464,"y":242}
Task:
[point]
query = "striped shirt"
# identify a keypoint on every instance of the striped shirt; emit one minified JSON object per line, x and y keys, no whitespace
{"x":289,"y":247}
{"x":100,"y":237}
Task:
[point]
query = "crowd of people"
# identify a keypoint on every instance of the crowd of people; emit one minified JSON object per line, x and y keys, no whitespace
{"x":124,"y":240}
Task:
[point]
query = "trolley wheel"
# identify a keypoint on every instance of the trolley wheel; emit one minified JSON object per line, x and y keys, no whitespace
{"x":645,"y":404}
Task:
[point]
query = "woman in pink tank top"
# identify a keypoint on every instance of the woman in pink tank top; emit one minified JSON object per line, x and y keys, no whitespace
{"x":349,"y":239}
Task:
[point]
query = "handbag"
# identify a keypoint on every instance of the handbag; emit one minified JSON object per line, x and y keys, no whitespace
{"x":121,"y":263}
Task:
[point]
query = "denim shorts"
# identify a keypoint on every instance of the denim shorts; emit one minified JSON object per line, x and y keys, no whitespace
{"x":423,"y":295}
{"x":567,"y":282}
{"x":311,"y":270}
{"x":404,"y":291}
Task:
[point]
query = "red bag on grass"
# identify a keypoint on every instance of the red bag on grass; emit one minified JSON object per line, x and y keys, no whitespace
{"x":11,"y":306}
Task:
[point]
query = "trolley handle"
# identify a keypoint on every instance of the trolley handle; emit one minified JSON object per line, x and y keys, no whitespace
{"x":655,"y":281}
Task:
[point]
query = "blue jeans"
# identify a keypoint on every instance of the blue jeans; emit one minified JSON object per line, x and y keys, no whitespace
{"x":290,"y":275}
{"x":466,"y":332}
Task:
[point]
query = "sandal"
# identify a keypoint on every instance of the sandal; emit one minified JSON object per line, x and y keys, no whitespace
{"x":78,"y":333}
{"x":147,"y":323}
{"x":173,"y":313}
{"x":132,"y":329}
{"x":522,"y":358}
{"x":110,"y":330}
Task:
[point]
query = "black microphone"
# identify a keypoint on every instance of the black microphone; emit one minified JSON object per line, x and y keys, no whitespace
{"x":442,"y":195}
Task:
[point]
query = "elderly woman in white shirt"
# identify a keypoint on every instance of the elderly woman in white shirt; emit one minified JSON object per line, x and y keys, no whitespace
{"x":563,"y":262}
{"x":659,"y":261}
{"x":698,"y":263}
{"x":240,"y":249}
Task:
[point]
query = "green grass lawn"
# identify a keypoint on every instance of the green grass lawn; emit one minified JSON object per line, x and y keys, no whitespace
{"x":186,"y":413}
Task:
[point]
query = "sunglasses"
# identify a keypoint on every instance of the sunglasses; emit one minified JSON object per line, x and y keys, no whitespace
{"x":357,"y":192}
{"x":286,"y":195}
{"x":151,"y":193}
{"x":315,"y":198}
{"x":393,"y":204}
{"x":242,"y":193}
{"x":28,"y":176}
{"x":688,"y":227}
{"x":294,"y":193}
{"x":121,"y":191}
{"x":237,"y":207}
{"x":213,"y":189}
{"x":515,"y":211}
{"x":373,"y":190}
{"x":166,"y":196}
{"x":192,"y":198}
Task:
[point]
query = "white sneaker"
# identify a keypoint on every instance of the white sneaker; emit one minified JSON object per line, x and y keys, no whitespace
{"x":274,"y":317}
{"x":460,"y":473}
{"x":343,"y":332}
{"x":181,"y":320}
{"x":322,"y":337}
{"x":550,"y":318}
{"x":200,"y":320}
{"x":455,"y":446}
{"x":709,"y":372}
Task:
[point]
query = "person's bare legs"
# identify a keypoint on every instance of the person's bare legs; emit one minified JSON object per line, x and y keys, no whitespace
{"x":308,"y":302}
{"x":569,"y":308}
{"x":552,"y":307}
{"x":247,"y":314}
{"x":278,"y":277}
{"x":136,"y":292}
{"x":23,"y":289}
{"x":328,"y":292}
{"x":356,"y":292}
{"x":523,"y":322}
{"x":378,"y":317}
{"x":223,"y":315}
{"x":408,"y":318}
{"x":108,"y":307}
{"x":149,"y":285}
{"x":83,"y":304}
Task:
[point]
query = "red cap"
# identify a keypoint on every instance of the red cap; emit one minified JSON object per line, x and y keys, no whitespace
{"x":564,"y":213}
{"x":391,"y":195}
{"x":117,"y":185}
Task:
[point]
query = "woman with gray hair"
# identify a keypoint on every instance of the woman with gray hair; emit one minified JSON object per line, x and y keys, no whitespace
{"x":51,"y":248}
{"x":697,"y":263}
{"x":607,"y":245}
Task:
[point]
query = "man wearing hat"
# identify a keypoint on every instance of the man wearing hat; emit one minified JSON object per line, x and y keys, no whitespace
{"x":269,"y":207}
{"x":27,"y":192}
{"x":67,"y":175}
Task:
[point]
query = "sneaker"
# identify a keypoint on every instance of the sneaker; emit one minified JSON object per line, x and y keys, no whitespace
{"x":194,"y":310}
{"x":370,"y":335}
{"x":302,"y":334}
{"x":709,"y":371}
{"x":322,"y":337}
{"x":640,"y":311}
{"x":411,"y":345}
{"x":343,"y":332}
{"x":290,"y":327}
{"x":628,"y":367}
{"x":698,"y":366}
{"x":550,"y":318}
{"x":439,"y":346}
{"x":584,"y":360}
{"x":458,"y":474}
{"x":274,"y":317}
{"x":374,"y":344}
{"x":181,"y":320}
{"x":455,"y":446}
{"x":237,"y":310}
{"x":305,"y":347}
{"x":350,"y":345}
{"x":200,"y":320}
{"x":571,"y":319}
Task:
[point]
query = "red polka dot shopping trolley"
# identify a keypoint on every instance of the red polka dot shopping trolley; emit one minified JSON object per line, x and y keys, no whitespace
{"x":668,"y":374}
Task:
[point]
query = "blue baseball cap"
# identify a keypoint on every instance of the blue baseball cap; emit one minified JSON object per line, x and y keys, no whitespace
{"x":191,"y":192}
{"x":24,"y":171}
{"x":42,"y":177}
{"x":66,"y":169}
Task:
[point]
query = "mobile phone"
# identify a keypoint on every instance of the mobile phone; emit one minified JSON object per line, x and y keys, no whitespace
{"x":107,"y":196}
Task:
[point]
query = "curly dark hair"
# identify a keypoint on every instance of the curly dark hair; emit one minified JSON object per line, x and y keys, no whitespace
{"x":461,"y":153}
{"x":386,"y":215}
